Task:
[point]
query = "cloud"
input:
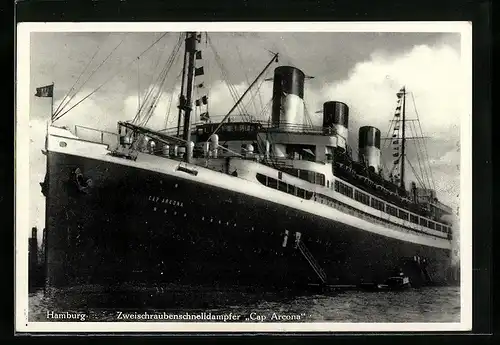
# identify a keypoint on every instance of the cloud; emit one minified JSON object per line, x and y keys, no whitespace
{"x":430,"y":73}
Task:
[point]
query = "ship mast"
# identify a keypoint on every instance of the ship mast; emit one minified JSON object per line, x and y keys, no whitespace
{"x":186,"y":98}
{"x":399,"y":140}
{"x":403,"y":139}
{"x":181,"y":96}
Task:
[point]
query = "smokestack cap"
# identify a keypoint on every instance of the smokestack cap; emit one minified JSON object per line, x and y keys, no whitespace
{"x":369,"y":136}
{"x":335,"y":113}
{"x":289,"y":80}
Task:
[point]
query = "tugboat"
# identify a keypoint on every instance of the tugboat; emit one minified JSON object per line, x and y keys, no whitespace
{"x":400,"y":282}
{"x":267,"y":202}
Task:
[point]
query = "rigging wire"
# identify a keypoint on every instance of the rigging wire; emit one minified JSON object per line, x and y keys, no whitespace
{"x":264,"y":111}
{"x":167,"y":115}
{"x":163,"y":78}
{"x":258,"y":87}
{"x":421,"y":162}
{"x":138,"y":85}
{"x":160,"y":77}
{"x":232,"y":90}
{"x":245,"y":93}
{"x":258,"y":93}
{"x":246,"y":77}
{"x":77,"y":80}
{"x":90,"y":76}
{"x":169,"y":107}
{"x":307,"y":116}
{"x":387,"y":144}
{"x":156,"y":63}
{"x":424,"y":144}
{"x":420,"y":182}
{"x":106,"y":81}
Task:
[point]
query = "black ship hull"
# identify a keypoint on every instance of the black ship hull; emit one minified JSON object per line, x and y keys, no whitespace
{"x":137,"y":227}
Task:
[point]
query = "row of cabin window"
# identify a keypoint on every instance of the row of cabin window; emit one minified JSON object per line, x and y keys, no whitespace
{"x":331,"y":202}
{"x":284,"y":187}
{"x":359,"y":196}
{"x":391,"y":210}
{"x":343,"y":189}
{"x":307,"y":175}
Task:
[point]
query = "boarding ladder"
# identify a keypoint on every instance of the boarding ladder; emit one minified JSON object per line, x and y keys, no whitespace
{"x":312,"y":261}
{"x":427,"y":275}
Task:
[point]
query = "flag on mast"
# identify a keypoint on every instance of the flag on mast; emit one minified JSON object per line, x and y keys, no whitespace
{"x":198,"y":71}
{"x":45,"y":91}
{"x":202,"y":100}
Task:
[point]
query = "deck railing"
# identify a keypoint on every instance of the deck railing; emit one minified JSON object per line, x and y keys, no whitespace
{"x":96,"y":135}
{"x":283,"y":127}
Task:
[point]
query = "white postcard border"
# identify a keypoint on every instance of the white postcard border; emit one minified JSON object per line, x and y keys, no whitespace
{"x":22,"y":225}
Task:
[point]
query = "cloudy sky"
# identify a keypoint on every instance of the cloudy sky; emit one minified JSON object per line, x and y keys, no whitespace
{"x":364,"y":70}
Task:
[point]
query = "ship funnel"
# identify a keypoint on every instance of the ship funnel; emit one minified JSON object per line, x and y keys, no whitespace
{"x":336,"y":115}
{"x":288,"y":98}
{"x":369,"y":146}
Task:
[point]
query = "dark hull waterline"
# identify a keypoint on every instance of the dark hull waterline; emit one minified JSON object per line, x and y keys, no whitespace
{"x":138,"y":228}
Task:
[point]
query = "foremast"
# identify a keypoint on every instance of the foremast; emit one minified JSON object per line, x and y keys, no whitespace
{"x":188,"y":74}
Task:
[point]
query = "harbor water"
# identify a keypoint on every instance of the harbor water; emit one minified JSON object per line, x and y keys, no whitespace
{"x":429,"y":304}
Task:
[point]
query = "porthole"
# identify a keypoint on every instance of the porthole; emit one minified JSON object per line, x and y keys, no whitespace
{"x":63,"y":144}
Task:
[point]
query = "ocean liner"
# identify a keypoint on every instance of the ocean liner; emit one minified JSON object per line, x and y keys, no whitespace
{"x":274,"y":204}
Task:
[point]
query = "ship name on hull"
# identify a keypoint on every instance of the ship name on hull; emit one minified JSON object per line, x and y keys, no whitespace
{"x":167,"y":201}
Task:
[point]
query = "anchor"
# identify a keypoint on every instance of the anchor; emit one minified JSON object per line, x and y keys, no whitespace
{"x":82,"y":184}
